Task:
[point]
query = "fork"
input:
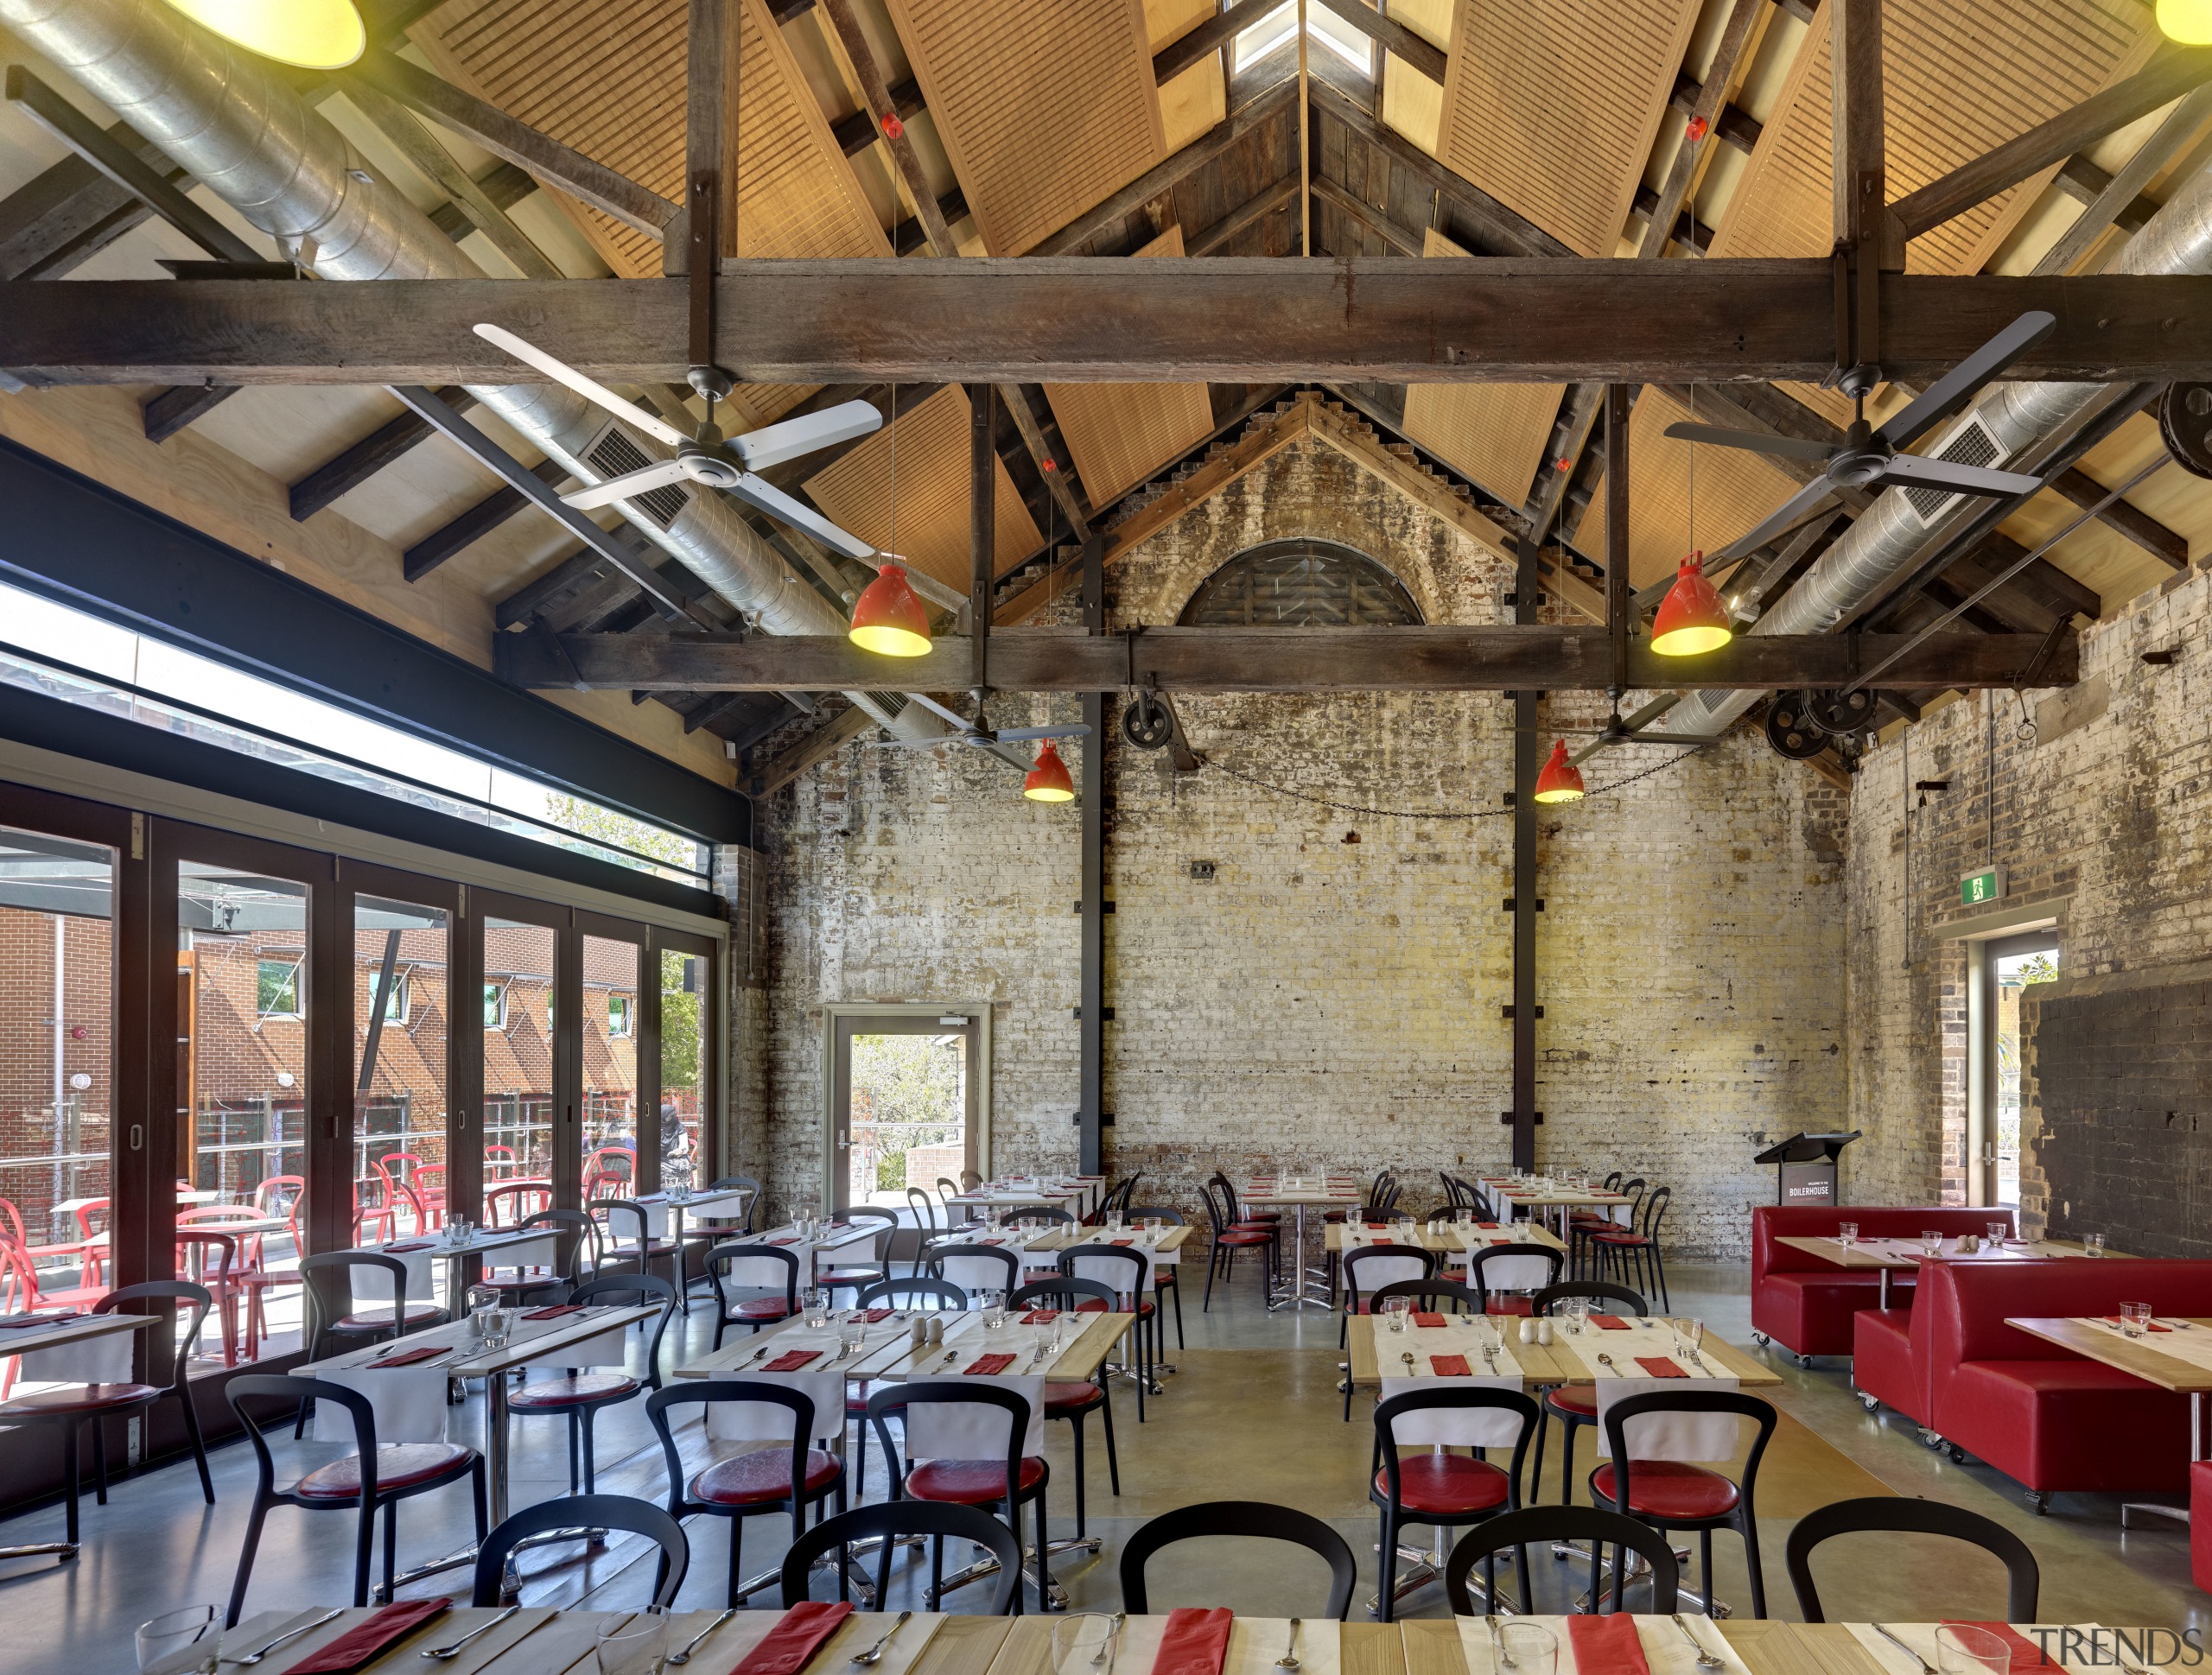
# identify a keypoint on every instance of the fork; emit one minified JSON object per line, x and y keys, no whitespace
{"x":1928,"y":1668}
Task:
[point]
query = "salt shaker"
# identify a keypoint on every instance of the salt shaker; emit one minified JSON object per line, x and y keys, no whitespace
{"x":1527,"y":1331}
{"x":1543,"y":1331}
{"x":919,"y":1331}
{"x":936,"y":1330}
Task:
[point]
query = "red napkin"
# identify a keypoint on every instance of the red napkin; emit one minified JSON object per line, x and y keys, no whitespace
{"x":990,"y":1242}
{"x":790,"y":1361}
{"x":555,"y":1312}
{"x":872,"y":1316}
{"x":1487,"y":1227}
{"x":1421,"y":1319}
{"x":785,"y":1648}
{"x":358,"y":1647}
{"x":408,"y":1357}
{"x":1606,"y":1645}
{"x":1609,"y":1322}
{"x":416,"y":1245}
{"x":985,"y":1365}
{"x":2026,"y":1655}
{"x":782,"y":1241}
{"x":1448,"y":1366}
{"x":1660,"y":1368}
{"x":1194,"y":1642}
{"x":1040,"y":1316}
{"x":2111,"y":1320}
{"x":1118,"y":1243}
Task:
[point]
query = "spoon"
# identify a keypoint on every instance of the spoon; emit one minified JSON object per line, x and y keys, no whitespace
{"x":453,"y":1648}
{"x":1606,"y":1360}
{"x":268,"y":1647}
{"x":692,"y":1645}
{"x":874,"y":1655}
{"x":1408,"y":1358}
{"x":1500,"y":1658}
{"x":1289,"y":1659}
{"x":1705,"y":1659}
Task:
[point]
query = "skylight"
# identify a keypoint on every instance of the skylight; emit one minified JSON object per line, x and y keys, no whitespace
{"x":1324,"y":28}
{"x":83,"y":659}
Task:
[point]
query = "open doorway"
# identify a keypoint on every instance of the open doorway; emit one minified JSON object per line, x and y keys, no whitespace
{"x":2008,"y":966}
{"x":906,"y":1105}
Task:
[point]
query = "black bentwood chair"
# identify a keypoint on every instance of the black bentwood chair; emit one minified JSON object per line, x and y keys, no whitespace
{"x":1211,"y":1518}
{"x":891,"y":1521}
{"x":1539,"y":1526}
{"x":1888,"y":1513}
{"x":598,"y":1512}
{"x":1668,"y":1494}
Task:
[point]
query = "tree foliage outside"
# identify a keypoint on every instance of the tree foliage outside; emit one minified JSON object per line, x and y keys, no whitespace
{"x":574,"y":814}
{"x":679,"y":1025}
{"x":908,"y":1090}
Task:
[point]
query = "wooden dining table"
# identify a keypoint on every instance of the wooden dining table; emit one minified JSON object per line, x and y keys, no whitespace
{"x":1303,"y":1287}
{"x":1373,"y":1346}
{"x":542,"y":1641}
{"x":1891,"y":1256}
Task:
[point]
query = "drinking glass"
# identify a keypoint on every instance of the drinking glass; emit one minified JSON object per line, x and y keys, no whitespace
{"x":638,"y":1647}
{"x":1691,"y":1333}
{"x":2092,"y":1244}
{"x":1847,"y":1234}
{"x":1395,"y":1309}
{"x":198,"y":1626}
{"x":993,"y":1304}
{"x":815,"y":1303}
{"x":851,"y":1333}
{"x":1083,"y":1642}
{"x":1997,"y":1232}
{"x":1531,"y":1648}
{"x":1961,"y":1649}
{"x":2134,"y":1318}
{"x":1931,"y":1242}
{"x":1114,"y":1223}
{"x":494,"y":1324}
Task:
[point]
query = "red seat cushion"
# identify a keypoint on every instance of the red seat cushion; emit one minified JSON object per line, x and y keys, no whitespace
{"x":1881,"y":1360}
{"x":80,"y":1399}
{"x":856,"y":1398}
{"x":2051,"y":1425}
{"x":762,"y":1308}
{"x":1445,"y":1483}
{"x":399,"y":1466}
{"x":971,"y":1482}
{"x":1234,"y":1237}
{"x":1062,"y":1399}
{"x":1579,"y":1399}
{"x":849,"y":1277}
{"x":764,"y":1475}
{"x":1091,"y":1305}
{"x":1627,"y":1240}
{"x":379,"y":1320}
{"x":1810,"y":1314}
{"x":1667,"y":1488}
{"x":576,"y":1387}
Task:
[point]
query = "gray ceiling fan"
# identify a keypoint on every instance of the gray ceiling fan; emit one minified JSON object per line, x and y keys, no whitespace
{"x":709,"y":459}
{"x":1873,"y":456}
{"x":972,"y":731}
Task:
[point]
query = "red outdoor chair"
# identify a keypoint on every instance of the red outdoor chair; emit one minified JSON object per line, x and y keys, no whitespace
{"x":19,"y":1292}
{"x":209,"y":1258}
{"x":512,"y":1203}
{"x":11,"y":1227}
{"x":500,"y":1163}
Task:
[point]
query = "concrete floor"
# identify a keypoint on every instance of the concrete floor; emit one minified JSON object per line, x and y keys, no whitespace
{"x":1252,"y":1413}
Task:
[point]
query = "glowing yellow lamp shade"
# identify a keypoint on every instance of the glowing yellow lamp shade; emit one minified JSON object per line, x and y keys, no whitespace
{"x":316,"y":34}
{"x":1048,"y":781}
{"x":1691,"y":619}
{"x":1559,"y":781}
{"x":2188,"y":22}
{"x":888,"y":616}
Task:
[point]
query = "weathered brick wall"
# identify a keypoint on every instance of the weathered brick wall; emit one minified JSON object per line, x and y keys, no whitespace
{"x":2101,"y":809}
{"x":1334,"y":994}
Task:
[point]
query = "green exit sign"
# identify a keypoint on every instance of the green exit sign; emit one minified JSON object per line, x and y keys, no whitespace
{"x":1986,"y":885}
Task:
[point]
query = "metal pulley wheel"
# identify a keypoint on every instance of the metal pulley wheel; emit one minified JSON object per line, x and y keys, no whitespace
{"x":1146,"y":723}
{"x":1791,"y":730}
{"x":1839,"y":712}
{"x":2185,"y":423}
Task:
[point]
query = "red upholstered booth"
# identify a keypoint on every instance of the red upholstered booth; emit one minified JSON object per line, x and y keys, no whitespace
{"x":1806,"y":1305}
{"x":2044,"y":1416}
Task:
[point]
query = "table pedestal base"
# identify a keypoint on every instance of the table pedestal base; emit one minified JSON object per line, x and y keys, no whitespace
{"x":1426,"y":1564}
{"x":1307,"y":1288}
{"x":1055,"y":1596}
{"x":64,"y":1551}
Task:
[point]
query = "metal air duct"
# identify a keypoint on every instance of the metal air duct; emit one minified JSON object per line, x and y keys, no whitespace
{"x":235,"y":122}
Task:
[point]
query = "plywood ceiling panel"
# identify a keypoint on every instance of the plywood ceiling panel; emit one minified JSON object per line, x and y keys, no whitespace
{"x":1046,"y":107}
{"x":607,"y":77}
{"x":930,"y":444}
{"x":1551,"y":106}
{"x":1735,"y":490}
{"x":1957,"y":80}
{"x":1120,"y":434}
{"x":1494,"y":434}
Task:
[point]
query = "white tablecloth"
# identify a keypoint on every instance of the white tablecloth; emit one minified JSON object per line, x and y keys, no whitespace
{"x":411,"y":1401}
{"x":423,"y":1260}
{"x":1512,"y":1273}
{"x":103,"y":1360}
{"x":945,"y":1431}
{"x":1460,"y":1335}
{"x":1701,"y":1437}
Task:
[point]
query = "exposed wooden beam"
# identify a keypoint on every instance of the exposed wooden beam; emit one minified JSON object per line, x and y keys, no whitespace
{"x":1401,"y":241}
{"x":1280,"y":195}
{"x":354,"y":465}
{"x":1863,"y":221}
{"x":472,"y":524}
{"x":1410,"y":49}
{"x":431,"y":159}
{"x":2119,"y":194}
{"x":1733,"y":126}
{"x":573,"y":576}
{"x":1736,"y":38}
{"x":714,"y":709}
{"x":180,"y":406}
{"x":1208,"y":37}
{"x":69,"y":214}
{"x":856,"y":132}
{"x":1411,"y":659}
{"x":2165,"y":79}
{"x":2164,"y":544}
{"x":1050,"y":466}
{"x":875,"y":94}
{"x":1171,"y":172}
{"x":1168,"y":318}
{"x":557,"y":165}
{"x":773,"y":775}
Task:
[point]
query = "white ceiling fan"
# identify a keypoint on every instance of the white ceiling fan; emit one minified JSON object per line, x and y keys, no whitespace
{"x":709,"y":459}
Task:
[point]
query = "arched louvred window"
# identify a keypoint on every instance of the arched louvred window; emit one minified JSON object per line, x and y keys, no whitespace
{"x":1300,"y":583}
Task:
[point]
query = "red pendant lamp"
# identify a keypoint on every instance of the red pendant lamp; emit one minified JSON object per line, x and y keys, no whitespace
{"x":889,"y":617}
{"x":1048,"y":781}
{"x":1691,"y":619}
{"x":1560,"y":781}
